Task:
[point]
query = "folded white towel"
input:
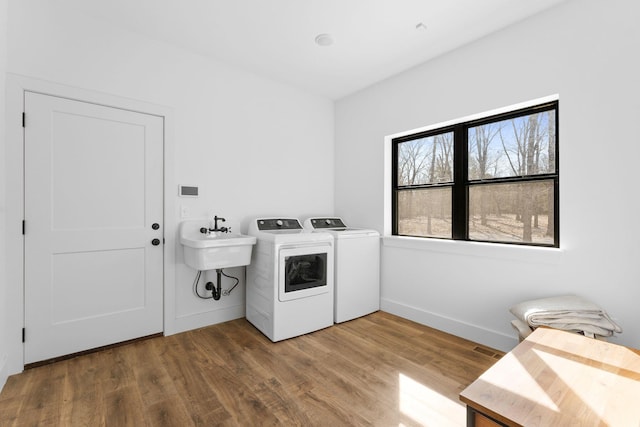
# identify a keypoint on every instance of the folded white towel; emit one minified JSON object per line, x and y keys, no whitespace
{"x":568,"y":312}
{"x":523,"y":329}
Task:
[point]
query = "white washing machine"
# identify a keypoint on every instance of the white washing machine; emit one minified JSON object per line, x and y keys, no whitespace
{"x":290,"y":279}
{"x":357,"y":267}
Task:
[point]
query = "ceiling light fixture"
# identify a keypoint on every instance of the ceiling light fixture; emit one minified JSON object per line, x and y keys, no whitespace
{"x":324,"y":40}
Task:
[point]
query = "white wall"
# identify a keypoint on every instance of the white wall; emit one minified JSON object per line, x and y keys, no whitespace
{"x":586,"y":52}
{"x":4,"y":347}
{"x":244,"y":140}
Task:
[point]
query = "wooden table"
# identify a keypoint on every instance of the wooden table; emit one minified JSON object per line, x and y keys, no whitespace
{"x":557,"y":378}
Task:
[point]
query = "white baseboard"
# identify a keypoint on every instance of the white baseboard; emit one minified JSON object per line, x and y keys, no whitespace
{"x":4,"y":370}
{"x":456,"y":327}
{"x":200,"y":320}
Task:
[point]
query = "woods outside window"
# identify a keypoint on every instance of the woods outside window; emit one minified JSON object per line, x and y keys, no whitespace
{"x":490,"y":180}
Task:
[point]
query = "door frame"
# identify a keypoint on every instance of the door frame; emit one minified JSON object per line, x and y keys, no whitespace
{"x":16,"y":86}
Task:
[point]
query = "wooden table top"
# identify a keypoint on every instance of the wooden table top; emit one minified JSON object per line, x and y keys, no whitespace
{"x":557,"y":378}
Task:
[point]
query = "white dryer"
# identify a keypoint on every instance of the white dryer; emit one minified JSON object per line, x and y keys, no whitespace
{"x":290,"y":279}
{"x":357,"y":267}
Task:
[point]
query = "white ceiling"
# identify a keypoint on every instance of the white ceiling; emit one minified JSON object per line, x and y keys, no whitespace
{"x":374,"y":39}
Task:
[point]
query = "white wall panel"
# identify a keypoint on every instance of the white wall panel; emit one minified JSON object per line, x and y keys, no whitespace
{"x":4,"y":326}
{"x":243,"y":139}
{"x":580,"y":50}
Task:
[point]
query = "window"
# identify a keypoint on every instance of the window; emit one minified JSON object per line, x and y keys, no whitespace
{"x":489,"y":180}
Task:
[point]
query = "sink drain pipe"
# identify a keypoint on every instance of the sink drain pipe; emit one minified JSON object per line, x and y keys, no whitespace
{"x":216,"y":291}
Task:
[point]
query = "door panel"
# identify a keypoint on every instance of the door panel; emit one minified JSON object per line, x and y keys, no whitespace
{"x":93,"y":187}
{"x":110,"y":291}
{"x":78,"y":203}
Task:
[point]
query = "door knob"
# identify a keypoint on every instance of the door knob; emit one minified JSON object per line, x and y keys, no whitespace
{"x":155,"y":242}
{"x":155,"y":226}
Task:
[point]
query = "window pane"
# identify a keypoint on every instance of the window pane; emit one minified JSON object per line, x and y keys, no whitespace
{"x":425,"y":212}
{"x":426,"y":160}
{"x":516,"y":147}
{"x":522,"y":212}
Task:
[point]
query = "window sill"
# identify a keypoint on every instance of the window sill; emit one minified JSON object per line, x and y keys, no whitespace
{"x":527,"y":254}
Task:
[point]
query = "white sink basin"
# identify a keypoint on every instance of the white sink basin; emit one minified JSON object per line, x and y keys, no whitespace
{"x":214,"y":250}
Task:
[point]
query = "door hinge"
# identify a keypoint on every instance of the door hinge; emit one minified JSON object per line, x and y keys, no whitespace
{"x":23,"y":119}
{"x":23,"y":226}
{"x":23,"y":334}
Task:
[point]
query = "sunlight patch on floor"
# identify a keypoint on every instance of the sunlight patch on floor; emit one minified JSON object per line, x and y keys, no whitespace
{"x":427,"y":407}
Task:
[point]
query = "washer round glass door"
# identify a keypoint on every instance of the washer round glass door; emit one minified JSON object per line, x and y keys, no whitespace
{"x":304,"y":271}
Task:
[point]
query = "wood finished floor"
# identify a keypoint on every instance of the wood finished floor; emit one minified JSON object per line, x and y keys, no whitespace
{"x":379,"y":370}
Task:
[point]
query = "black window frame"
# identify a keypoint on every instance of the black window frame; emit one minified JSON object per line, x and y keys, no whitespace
{"x":461,"y":183}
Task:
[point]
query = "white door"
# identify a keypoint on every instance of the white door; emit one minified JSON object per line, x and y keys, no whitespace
{"x":93,"y":194}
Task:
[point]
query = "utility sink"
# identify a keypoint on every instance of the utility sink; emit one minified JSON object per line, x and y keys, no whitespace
{"x":214,"y":250}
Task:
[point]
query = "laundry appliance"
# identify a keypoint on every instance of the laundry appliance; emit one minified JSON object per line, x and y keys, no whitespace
{"x":290,"y":279}
{"x":357,"y":267}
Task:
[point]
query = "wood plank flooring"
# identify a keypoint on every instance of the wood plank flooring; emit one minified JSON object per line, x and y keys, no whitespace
{"x":378,"y":370}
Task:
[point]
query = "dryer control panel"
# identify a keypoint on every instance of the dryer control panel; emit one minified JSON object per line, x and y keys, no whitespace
{"x":326,"y":223}
{"x":270,"y":224}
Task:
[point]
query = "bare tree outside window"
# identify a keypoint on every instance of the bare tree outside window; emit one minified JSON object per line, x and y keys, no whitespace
{"x":426,"y":160}
{"x":519,"y":147}
{"x":509,"y":190}
{"x":502,"y":205}
{"x":510,"y":148}
{"x":425,"y":212}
